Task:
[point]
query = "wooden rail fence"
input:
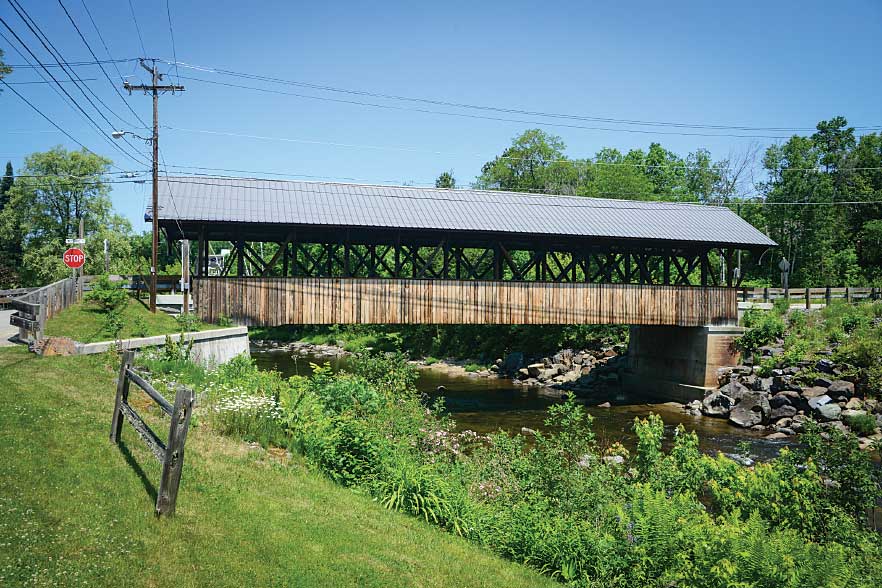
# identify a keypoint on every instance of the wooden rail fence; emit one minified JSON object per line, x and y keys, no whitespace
{"x":809,"y":295}
{"x":170,"y":454}
{"x":34,"y":308}
{"x":279,"y":301}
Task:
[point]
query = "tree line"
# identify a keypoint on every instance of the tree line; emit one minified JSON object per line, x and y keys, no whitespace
{"x":819,"y":197}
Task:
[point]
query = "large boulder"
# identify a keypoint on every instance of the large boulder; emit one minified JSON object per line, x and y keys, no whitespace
{"x":751,"y":410}
{"x":841,"y":388}
{"x":829,"y":412}
{"x":513,"y":362}
{"x":783,"y":411}
{"x":534,"y":369}
{"x":734,"y":390}
{"x":855,"y":404}
{"x":819,"y":401}
{"x":717,"y":404}
{"x":780,"y":399}
{"x":813,"y":392}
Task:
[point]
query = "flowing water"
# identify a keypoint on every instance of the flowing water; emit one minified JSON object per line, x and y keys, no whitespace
{"x":488,"y":404}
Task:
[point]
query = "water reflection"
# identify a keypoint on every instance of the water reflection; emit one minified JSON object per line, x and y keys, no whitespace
{"x":489,"y":404}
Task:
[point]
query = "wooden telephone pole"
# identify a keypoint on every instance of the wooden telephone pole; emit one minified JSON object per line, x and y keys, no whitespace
{"x":155,"y":89}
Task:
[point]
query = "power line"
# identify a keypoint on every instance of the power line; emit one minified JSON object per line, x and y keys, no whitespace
{"x":137,"y":28}
{"x":171,"y":33}
{"x":55,"y":88}
{"x":106,"y":75}
{"x":478,"y":116}
{"x":73,"y":63}
{"x":505,"y":157}
{"x":543,"y":114}
{"x":47,"y":82}
{"x":101,"y":38}
{"x":55,"y":54}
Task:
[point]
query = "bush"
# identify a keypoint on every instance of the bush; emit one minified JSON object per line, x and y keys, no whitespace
{"x":224,"y":321}
{"x":188,"y":322}
{"x":763,"y":328}
{"x":106,"y":294}
{"x":113,"y":322}
{"x":862,"y":424}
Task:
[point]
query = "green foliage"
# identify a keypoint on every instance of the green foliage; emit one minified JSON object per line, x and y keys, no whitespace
{"x":224,"y":321}
{"x":106,"y":294}
{"x":473,"y":367}
{"x":861,"y":424}
{"x":446,"y":180}
{"x":762,"y":329}
{"x":188,"y":322}
{"x":140,"y":327}
{"x":113,"y":322}
{"x":176,"y":351}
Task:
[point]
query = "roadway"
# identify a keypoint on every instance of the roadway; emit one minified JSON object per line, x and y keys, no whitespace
{"x":6,"y":330}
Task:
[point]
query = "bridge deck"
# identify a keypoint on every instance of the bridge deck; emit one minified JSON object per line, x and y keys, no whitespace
{"x":279,"y":301}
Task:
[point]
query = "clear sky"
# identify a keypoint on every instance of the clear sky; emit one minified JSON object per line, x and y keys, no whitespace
{"x":758,"y":64}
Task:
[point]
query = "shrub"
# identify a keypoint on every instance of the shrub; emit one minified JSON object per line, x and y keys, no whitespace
{"x":113,"y":323}
{"x":763,"y":328}
{"x":862,"y":424}
{"x":188,"y":322}
{"x":106,"y":294}
{"x":139,"y":326}
{"x":224,"y":321}
{"x":473,"y":367}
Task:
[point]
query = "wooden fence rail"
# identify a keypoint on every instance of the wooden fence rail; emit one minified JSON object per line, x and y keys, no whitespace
{"x":34,"y":308}
{"x":169,"y":454}
{"x":809,"y":295}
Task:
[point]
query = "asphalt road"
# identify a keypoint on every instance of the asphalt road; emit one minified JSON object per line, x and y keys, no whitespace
{"x":6,"y":330}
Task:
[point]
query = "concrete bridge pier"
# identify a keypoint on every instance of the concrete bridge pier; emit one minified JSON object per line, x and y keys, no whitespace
{"x":678,"y":363}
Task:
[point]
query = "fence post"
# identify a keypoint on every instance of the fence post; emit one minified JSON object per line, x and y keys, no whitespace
{"x":828,"y":296}
{"x":808,"y":298}
{"x":848,"y":294}
{"x":765,"y":294}
{"x":174,"y":452}
{"x":122,"y":395}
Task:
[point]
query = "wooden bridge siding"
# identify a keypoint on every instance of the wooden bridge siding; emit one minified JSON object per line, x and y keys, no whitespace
{"x":277,"y":301}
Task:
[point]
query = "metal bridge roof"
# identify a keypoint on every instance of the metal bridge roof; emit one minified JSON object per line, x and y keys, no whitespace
{"x":272,"y":202}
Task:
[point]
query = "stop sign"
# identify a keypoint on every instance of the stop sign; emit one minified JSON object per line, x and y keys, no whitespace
{"x":74,"y":258}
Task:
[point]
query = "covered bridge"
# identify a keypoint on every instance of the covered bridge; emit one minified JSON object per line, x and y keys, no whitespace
{"x":352,"y":253}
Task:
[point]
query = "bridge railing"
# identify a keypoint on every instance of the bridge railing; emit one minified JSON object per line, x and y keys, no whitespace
{"x":34,"y":308}
{"x":811,"y":296}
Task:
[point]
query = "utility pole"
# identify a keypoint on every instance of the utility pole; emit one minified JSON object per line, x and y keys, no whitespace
{"x":155,"y":89}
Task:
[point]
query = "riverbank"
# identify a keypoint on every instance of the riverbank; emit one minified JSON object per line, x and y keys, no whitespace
{"x":822,"y":365}
{"x":76,"y":510}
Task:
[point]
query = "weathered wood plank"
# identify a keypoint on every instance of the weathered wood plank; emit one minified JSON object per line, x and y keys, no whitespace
{"x":144,"y":385}
{"x":157,"y":447}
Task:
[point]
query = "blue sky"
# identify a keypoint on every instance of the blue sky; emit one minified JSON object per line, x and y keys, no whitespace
{"x":773,"y":64}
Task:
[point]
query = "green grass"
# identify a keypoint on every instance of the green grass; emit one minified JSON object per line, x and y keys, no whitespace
{"x":76,"y":510}
{"x":84,"y":322}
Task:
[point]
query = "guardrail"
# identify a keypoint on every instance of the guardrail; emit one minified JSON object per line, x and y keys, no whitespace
{"x":7,"y":296}
{"x":811,"y":296}
{"x":170,"y":454}
{"x":136,"y":282}
{"x":37,"y":306}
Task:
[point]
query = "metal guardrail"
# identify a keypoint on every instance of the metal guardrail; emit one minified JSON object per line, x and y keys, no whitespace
{"x":811,"y":296}
{"x":170,"y":454}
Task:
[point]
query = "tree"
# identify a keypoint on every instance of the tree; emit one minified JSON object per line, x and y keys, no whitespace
{"x":54,"y":190}
{"x":446,"y":180}
{"x":535,"y":162}
{"x":5,"y":70}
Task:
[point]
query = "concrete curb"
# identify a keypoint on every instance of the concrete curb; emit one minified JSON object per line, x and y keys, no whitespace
{"x":209,"y":347}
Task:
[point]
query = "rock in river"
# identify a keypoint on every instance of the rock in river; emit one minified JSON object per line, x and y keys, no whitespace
{"x":717,"y":404}
{"x":753,"y":409}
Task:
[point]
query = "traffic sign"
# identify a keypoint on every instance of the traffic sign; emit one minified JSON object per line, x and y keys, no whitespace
{"x":74,"y":241}
{"x":74,"y":258}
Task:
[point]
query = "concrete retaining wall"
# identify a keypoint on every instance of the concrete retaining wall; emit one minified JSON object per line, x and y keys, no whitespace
{"x":209,"y":347}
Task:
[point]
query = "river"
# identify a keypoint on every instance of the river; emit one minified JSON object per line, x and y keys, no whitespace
{"x":488,"y":404}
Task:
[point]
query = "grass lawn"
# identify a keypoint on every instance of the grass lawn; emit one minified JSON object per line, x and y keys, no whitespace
{"x":76,"y":510}
{"x":84,"y":322}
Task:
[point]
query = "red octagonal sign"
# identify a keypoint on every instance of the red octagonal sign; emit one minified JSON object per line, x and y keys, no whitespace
{"x":74,"y":258}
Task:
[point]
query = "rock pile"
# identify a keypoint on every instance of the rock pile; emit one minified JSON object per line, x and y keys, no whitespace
{"x":782,"y":401}
{"x":580,"y":372}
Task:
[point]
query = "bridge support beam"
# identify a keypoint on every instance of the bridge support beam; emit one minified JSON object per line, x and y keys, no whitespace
{"x":678,"y":363}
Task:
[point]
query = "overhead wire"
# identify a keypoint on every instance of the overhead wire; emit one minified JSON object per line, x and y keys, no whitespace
{"x":65,"y":96}
{"x":437,"y":102}
{"x":55,"y":54}
{"x":138,"y":29}
{"x":106,"y":75}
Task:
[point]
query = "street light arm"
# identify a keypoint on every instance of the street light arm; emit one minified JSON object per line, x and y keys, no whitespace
{"x":121,"y":134}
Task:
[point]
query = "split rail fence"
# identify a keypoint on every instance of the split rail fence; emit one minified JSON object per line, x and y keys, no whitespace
{"x":169,"y":454}
{"x":811,"y":296}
